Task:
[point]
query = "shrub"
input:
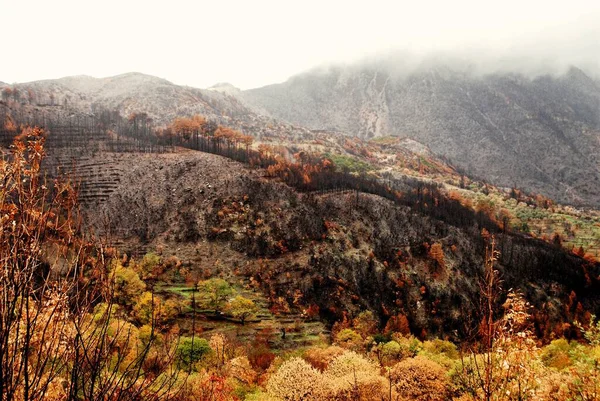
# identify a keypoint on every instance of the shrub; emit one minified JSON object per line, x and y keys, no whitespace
{"x":241,"y":308}
{"x":223,"y":349}
{"x":391,"y":351}
{"x":352,"y":377}
{"x":214,"y":293}
{"x":420,"y":379}
{"x":436,"y":252}
{"x":320,"y":358}
{"x":397,"y":324}
{"x":207,"y":386}
{"x":191,"y":350}
{"x":145,"y":307}
{"x":149,"y":307}
{"x":296,"y":380}
{"x":410,"y":346}
{"x":554,"y":386}
{"x":438,"y":346}
{"x":260,"y":356}
{"x":382,"y":338}
{"x":442,"y":352}
{"x":557,"y":354}
{"x":239,"y":369}
{"x":348,"y":363}
{"x":349,"y":338}
{"x":365,"y":324}
{"x":584,"y":381}
{"x":147,"y":266}
{"x":128,"y":285}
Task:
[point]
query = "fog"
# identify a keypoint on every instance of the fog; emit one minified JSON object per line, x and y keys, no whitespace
{"x":549,"y":51}
{"x":251,"y":44}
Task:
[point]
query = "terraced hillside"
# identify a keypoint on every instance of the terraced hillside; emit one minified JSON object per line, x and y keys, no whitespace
{"x":337,"y":252}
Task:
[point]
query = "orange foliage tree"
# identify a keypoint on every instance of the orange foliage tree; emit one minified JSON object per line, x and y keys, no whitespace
{"x":53,"y":343}
{"x":436,"y":252}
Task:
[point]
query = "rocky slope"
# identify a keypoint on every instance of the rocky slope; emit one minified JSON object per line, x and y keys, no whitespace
{"x":541,"y":133}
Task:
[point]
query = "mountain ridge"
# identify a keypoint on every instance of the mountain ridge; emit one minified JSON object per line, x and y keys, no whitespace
{"x":129,"y":93}
{"x":539,"y":133}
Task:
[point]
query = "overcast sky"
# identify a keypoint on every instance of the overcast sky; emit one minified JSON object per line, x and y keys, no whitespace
{"x":251,"y":43}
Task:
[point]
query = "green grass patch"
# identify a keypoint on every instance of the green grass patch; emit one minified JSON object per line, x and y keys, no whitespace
{"x":348,"y":163}
{"x":184,"y":291}
{"x":385,"y":140}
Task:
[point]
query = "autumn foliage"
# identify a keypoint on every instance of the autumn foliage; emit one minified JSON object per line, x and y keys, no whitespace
{"x":62,"y":334}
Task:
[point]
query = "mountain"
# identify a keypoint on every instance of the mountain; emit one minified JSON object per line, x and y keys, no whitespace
{"x":131,"y":93}
{"x":161,"y":100}
{"x":537,"y":133}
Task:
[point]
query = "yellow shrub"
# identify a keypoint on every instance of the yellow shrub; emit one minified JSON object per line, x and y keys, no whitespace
{"x":351,"y":376}
{"x":296,"y":380}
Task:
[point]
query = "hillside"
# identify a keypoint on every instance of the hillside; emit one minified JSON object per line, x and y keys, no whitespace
{"x":297,"y":239}
{"x":540,"y":134}
{"x":342,"y":252}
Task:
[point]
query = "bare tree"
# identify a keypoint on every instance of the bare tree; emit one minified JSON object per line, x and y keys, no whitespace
{"x":479,"y":370}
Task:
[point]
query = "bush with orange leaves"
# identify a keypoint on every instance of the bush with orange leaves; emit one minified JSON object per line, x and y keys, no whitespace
{"x":420,"y":379}
{"x":320,"y":357}
{"x":436,"y":252}
{"x":205,"y":386}
{"x":397,"y":324}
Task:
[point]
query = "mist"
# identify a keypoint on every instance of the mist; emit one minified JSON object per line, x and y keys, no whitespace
{"x":252,"y":44}
{"x":547,"y":52}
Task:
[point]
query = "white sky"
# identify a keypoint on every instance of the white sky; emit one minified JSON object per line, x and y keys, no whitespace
{"x":251,"y":43}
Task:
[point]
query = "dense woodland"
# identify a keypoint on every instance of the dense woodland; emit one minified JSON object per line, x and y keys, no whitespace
{"x":81,"y":321}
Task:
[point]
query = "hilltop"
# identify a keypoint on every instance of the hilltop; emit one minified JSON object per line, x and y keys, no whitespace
{"x":129,"y":93}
